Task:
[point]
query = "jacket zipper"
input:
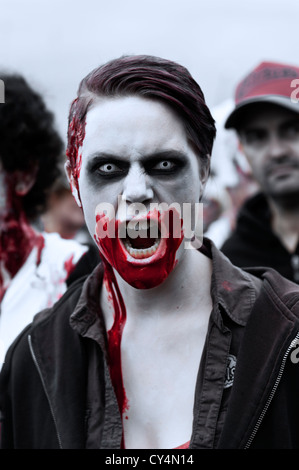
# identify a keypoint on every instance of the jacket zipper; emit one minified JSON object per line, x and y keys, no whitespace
{"x":44,"y":387}
{"x":259,"y":421}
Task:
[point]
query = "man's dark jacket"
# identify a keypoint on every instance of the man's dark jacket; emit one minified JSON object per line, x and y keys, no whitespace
{"x":55,"y":389}
{"x":253,"y":242}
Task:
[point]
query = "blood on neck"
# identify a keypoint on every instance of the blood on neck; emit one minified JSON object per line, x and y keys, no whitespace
{"x":17,"y":238}
{"x":114,"y":340}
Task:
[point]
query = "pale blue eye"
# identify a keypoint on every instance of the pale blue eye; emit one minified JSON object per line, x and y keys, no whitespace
{"x":164,"y":165}
{"x":109,"y":168}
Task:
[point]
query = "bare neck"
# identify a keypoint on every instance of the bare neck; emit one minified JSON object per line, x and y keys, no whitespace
{"x":186,"y":287}
{"x":285,"y":224}
{"x":17,"y":239}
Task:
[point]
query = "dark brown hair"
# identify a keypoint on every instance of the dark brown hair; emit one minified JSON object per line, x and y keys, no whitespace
{"x":148,"y":77}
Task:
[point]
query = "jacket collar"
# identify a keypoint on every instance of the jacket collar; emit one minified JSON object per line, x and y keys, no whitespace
{"x":232,"y":287}
{"x":87,"y":318}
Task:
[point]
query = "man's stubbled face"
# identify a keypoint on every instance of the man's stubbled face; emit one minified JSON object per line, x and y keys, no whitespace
{"x":270,"y":141}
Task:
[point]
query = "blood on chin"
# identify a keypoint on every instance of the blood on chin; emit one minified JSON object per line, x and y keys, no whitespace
{"x":142,"y":263}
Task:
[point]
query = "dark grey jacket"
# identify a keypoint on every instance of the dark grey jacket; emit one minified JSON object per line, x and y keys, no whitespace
{"x":253,"y":242}
{"x":56,"y":392}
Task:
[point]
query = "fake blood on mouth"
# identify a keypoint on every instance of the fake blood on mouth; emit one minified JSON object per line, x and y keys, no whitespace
{"x":151,"y":271}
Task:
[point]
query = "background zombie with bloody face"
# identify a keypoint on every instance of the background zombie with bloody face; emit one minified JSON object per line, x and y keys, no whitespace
{"x":27,"y":137}
{"x":30,"y":159}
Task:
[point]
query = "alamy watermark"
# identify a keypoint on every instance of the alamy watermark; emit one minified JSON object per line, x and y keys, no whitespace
{"x":2,"y":91}
{"x":295,"y":93}
{"x":141,"y":221}
{"x":295,"y":353}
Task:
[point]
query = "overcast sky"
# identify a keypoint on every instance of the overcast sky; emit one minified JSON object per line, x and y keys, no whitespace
{"x":54,"y":43}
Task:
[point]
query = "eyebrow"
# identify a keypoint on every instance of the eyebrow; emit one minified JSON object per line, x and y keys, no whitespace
{"x":257,"y":128}
{"x":97,"y":158}
{"x":289,"y":122}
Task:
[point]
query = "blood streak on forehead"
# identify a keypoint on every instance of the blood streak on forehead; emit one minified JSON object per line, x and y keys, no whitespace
{"x":76,"y":135}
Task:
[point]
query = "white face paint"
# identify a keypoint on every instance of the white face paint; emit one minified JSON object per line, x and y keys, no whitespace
{"x":136,"y":148}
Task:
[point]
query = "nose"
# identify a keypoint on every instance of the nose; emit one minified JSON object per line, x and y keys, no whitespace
{"x":137,"y":186}
{"x":276,"y":146}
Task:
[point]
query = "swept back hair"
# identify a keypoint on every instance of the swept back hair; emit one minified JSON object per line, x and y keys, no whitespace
{"x":148,"y":77}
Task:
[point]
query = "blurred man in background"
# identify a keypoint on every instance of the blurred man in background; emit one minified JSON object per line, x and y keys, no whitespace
{"x":266,"y":118}
{"x":34,"y":266}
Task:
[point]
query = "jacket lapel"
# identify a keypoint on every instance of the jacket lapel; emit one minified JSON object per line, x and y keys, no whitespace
{"x":60,"y":360}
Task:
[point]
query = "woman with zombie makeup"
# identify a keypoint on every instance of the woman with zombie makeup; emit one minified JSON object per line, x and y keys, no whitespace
{"x":165,"y":344}
{"x":34,"y":266}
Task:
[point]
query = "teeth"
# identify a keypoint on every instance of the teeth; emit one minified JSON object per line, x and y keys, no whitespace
{"x":141,"y":253}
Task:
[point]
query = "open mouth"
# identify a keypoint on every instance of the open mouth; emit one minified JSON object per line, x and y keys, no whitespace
{"x":143,"y":239}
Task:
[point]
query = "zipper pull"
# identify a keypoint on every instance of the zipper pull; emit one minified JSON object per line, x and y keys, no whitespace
{"x":295,"y":266}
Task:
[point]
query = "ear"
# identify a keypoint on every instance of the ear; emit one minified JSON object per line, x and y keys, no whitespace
{"x":204,"y":171}
{"x":243,"y":154}
{"x":24,"y":180}
{"x":73,"y":183}
{"x":240,"y":144}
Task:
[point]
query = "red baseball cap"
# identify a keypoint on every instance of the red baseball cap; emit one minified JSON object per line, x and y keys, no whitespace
{"x":269,"y":82}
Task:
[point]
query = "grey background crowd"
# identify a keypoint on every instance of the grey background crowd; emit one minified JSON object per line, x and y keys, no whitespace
{"x":53,"y":44}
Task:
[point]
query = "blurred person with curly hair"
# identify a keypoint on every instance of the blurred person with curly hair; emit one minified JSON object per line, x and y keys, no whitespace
{"x":34,"y":265}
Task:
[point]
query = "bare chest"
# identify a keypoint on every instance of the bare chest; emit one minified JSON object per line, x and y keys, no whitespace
{"x":156,"y":376}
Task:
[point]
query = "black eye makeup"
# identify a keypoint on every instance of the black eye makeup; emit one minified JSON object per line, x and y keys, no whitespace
{"x":109,"y":169}
{"x":159,"y":164}
{"x":164,"y":167}
{"x":165,"y":163}
{"x":106,"y":166}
